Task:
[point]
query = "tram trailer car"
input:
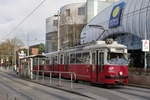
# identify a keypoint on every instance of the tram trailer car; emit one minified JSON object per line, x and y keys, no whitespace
{"x":103,"y":62}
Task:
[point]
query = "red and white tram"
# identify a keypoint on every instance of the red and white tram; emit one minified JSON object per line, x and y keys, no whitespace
{"x":103,"y":62}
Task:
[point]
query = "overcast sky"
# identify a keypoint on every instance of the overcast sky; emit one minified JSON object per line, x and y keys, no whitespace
{"x":13,"y":11}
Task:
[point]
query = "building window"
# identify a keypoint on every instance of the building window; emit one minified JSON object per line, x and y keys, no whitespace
{"x":68,"y":12}
{"x":55,"y":22}
{"x":81,"y":11}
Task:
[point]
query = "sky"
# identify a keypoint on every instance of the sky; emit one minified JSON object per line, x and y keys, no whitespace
{"x":12,"y":12}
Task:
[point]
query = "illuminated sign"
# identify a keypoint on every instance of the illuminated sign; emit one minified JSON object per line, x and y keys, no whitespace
{"x":145,"y":45}
{"x":116,"y":15}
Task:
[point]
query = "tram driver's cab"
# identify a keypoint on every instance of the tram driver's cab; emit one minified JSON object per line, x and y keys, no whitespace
{"x":110,"y":64}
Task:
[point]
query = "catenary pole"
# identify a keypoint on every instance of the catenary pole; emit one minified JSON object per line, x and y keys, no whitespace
{"x":145,"y":59}
{"x":58,"y":30}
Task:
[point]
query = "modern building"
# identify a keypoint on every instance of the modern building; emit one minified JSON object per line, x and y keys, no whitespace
{"x":73,"y":17}
{"x":96,"y":6}
{"x":127,"y":22}
{"x":72,"y":21}
{"x":51,"y":34}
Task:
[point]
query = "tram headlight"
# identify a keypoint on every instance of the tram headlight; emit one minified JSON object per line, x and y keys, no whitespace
{"x":120,"y":73}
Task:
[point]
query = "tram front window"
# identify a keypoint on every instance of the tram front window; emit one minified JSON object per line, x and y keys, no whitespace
{"x":117,"y":59}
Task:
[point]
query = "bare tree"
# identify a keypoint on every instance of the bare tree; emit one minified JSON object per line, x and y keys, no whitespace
{"x":8,"y":49}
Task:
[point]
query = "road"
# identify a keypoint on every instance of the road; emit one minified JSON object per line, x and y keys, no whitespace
{"x":12,"y":88}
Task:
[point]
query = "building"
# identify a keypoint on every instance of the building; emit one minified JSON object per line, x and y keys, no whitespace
{"x":72,"y":21}
{"x":34,"y":49}
{"x":127,"y":22}
{"x":73,"y":17}
{"x":96,"y":6}
{"x":37,"y":49}
{"x":51,"y":34}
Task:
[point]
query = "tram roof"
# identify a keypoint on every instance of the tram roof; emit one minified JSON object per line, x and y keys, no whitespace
{"x":94,"y":45}
{"x":102,"y":44}
{"x":97,"y":45}
{"x":33,"y":56}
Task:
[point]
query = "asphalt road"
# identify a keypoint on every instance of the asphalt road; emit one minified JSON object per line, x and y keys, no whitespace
{"x":12,"y":88}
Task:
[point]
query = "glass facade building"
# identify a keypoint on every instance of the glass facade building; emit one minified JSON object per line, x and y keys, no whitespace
{"x":133,"y":25}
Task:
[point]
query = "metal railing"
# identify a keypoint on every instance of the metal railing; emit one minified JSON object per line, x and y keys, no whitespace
{"x":54,"y":77}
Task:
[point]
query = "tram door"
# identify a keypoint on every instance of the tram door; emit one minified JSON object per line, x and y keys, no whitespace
{"x":97,"y":66}
{"x":66,"y":61}
{"x":93,"y":72}
{"x":100,"y":66}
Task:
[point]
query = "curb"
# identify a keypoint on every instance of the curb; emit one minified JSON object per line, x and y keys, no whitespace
{"x":140,"y":86}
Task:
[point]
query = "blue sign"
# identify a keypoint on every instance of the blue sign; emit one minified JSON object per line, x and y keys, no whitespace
{"x":116,"y":15}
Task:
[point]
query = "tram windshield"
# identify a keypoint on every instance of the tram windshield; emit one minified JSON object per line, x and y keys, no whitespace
{"x":117,"y":58}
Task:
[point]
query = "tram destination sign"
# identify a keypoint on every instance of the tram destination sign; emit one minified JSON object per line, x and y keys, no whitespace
{"x":145,"y":45}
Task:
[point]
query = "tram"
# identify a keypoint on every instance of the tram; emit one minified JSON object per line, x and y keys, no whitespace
{"x":102,"y":62}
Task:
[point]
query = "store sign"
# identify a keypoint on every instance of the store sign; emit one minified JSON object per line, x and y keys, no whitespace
{"x":116,"y":15}
{"x":22,"y":54}
{"x":145,"y":45}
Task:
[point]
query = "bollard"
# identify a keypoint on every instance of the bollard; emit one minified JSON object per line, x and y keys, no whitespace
{"x":71,"y":81}
{"x":59,"y":79}
{"x":50,"y":75}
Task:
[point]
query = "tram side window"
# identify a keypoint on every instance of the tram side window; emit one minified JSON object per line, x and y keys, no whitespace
{"x":66,"y":62}
{"x":35,"y":61}
{"x":61,"y":59}
{"x":93,"y":58}
{"x":86,"y":58}
{"x":41,"y":61}
{"x":47,"y":61}
{"x":72,"y":59}
{"x":50,"y":60}
{"x":101,"y":58}
{"x":55,"y":60}
{"x":79,"y":59}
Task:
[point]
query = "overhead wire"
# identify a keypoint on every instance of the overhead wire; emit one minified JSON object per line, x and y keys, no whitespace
{"x":24,"y":19}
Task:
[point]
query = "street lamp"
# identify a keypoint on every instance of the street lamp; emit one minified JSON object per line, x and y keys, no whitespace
{"x":99,"y":27}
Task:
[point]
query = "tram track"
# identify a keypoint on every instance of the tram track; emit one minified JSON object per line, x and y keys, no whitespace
{"x":69,"y":91}
{"x":126,"y":90}
{"x":133,"y":94}
{"x":129,"y":90}
{"x":15,"y":90}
